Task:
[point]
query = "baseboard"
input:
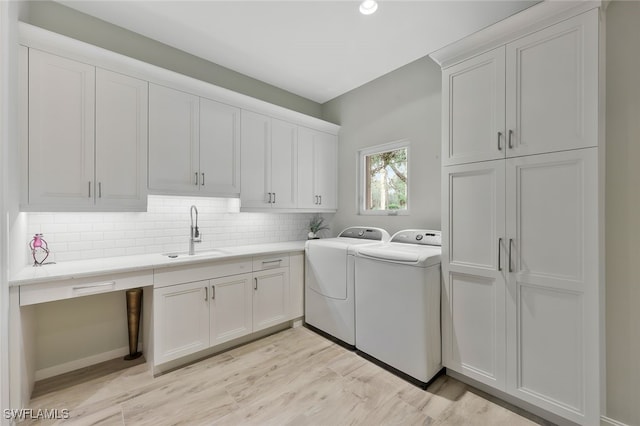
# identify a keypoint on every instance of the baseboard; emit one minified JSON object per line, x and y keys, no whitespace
{"x":77,"y":364}
{"x":606,"y":421}
{"x":537,"y":411}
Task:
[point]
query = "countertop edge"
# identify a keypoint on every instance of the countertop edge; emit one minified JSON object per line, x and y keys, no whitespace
{"x":96,"y":267}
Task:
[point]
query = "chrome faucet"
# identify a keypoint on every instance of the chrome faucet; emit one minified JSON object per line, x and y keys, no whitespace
{"x":196,"y":237}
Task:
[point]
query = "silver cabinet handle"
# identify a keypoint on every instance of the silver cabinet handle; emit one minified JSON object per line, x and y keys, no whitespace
{"x":202,"y":179}
{"x":196,"y":180}
{"x":213,"y":292}
{"x":99,"y":189}
{"x":316,"y":199}
{"x":206,"y":294}
{"x":499,"y":254}
{"x":269,"y":198}
{"x":510,"y":139}
{"x":264,"y":262}
{"x":499,"y":139}
{"x":510,"y":244}
{"x":89,"y":189}
{"x":320,"y":198}
{"x":255,"y":283}
{"x":274,"y":198}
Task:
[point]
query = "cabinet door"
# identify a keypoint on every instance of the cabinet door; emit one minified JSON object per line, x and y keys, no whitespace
{"x":231,"y":308}
{"x":284,"y":158}
{"x":296,"y":281}
{"x":121,"y":141}
{"x":61,"y":132}
{"x":553,"y":313}
{"x":219,"y":149}
{"x":270,"y":298}
{"x":326,"y":170}
{"x":317,"y":170}
{"x":552,"y":87}
{"x":181,"y":320}
{"x":473,"y":107}
{"x":256,"y":180}
{"x":473,"y":267}
{"x":307,"y":195}
{"x":173,"y":141}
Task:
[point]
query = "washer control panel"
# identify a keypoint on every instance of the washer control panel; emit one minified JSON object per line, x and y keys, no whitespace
{"x":376,"y":234}
{"x":418,"y":236}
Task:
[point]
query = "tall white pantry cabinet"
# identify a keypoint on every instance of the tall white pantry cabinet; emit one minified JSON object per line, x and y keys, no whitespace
{"x":522,"y":210}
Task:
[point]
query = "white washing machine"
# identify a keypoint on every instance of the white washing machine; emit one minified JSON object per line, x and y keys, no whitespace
{"x":329,"y":281}
{"x":397,"y":288}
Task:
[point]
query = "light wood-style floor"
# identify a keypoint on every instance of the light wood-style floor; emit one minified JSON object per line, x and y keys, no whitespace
{"x":294,"y":377}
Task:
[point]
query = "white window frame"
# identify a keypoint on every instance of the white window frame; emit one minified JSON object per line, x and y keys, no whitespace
{"x":362,"y":180}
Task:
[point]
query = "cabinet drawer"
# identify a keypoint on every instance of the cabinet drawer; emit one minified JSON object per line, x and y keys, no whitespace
{"x":201,"y":271}
{"x":68,"y":289}
{"x":271,"y":261}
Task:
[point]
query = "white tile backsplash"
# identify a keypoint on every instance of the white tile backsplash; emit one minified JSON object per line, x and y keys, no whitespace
{"x":163,"y":228}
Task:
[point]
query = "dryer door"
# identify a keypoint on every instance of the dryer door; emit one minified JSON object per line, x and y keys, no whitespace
{"x":326,"y":271}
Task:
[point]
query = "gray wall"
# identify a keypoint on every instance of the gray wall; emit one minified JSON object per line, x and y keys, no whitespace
{"x":623,"y":212}
{"x":63,"y":20}
{"x":404,"y":104}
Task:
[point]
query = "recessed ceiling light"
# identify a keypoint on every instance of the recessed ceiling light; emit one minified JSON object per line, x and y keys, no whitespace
{"x":368,"y":7}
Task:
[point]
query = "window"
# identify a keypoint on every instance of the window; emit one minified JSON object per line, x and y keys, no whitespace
{"x":384,"y":179}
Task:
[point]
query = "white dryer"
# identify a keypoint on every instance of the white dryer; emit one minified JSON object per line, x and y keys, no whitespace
{"x":329,"y":281}
{"x":398,"y":303}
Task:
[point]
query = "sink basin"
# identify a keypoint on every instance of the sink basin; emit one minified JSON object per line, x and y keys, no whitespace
{"x":181,"y":254}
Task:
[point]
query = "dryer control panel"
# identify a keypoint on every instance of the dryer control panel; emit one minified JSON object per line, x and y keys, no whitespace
{"x":418,"y":236}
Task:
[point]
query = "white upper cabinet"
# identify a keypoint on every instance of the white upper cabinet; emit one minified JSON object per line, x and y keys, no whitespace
{"x":61,"y":132}
{"x":121,"y":140}
{"x":473,"y":106}
{"x":256,"y":157}
{"x":317,"y":170}
{"x":536,"y":94}
{"x":194,"y":144}
{"x":552,"y":88}
{"x":87,"y":137}
{"x":219,"y":157}
{"x":269,"y":162}
{"x":173,"y":141}
{"x":98,"y":140}
{"x":284,"y":164}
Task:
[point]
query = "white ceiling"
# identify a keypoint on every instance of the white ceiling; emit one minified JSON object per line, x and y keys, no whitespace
{"x":316,"y":49}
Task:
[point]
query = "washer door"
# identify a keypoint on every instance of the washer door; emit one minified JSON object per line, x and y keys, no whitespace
{"x":326,"y":271}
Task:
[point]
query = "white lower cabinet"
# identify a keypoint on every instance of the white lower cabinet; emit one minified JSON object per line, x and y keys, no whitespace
{"x":520,"y":261}
{"x":231,"y":311}
{"x":270,"y":298}
{"x":181,"y":320}
{"x":199,"y":315}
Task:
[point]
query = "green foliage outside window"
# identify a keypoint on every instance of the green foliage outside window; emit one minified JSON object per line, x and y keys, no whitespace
{"x":386,"y":180}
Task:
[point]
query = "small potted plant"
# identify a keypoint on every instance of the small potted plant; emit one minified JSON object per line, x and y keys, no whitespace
{"x":316,"y":224}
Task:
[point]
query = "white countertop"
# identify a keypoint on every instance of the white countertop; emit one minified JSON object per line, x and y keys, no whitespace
{"x":94,"y":267}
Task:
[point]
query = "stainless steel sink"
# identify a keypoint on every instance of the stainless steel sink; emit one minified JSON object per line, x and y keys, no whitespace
{"x":210,"y":252}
